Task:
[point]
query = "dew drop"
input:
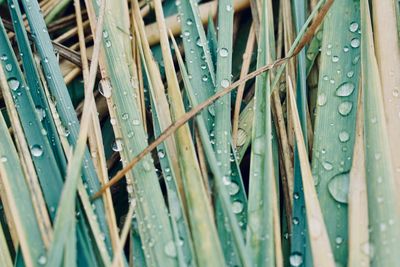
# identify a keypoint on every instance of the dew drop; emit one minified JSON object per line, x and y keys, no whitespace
{"x":237,"y":207}
{"x":321,"y":99}
{"x":339,"y":187}
{"x":9,"y":67}
{"x":345,"y":89}
{"x":161,"y":154}
{"x":233,"y":188}
{"x":353,"y":27}
{"x":296,"y":259}
{"x":170,"y":249}
{"x":344,"y":136}
{"x":345,"y":108}
{"x":189,"y":22}
{"x":3,"y":159}
{"x":224,"y":83}
{"x":327,"y":165}
{"x":13,"y":84}
{"x":36,"y":150}
{"x":117,"y":145}
{"x":42,"y":260}
{"x":355,"y":43}
{"x":223,"y":52}
{"x":40,"y":112}
{"x":125,"y":116}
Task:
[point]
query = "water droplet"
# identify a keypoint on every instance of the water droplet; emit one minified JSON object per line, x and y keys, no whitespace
{"x":233,"y":188}
{"x":345,"y":108}
{"x":161,"y":154}
{"x":204,"y":78}
{"x":13,"y":84}
{"x":36,"y":150}
{"x":3,"y":159}
{"x":40,"y":112}
{"x":321,"y":99}
{"x":335,"y":59}
{"x":345,"y":89}
{"x":296,"y":259}
{"x":170,"y":249}
{"x":368,"y":249}
{"x":42,"y":260}
{"x":339,"y":187}
{"x":105,"y":88}
{"x":108,"y":43}
{"x":125,"y":116}
{"x":237,"y":207}
{"x":136,"y":122}
{"x":327,"y":165}
{"x":350,"y":74}
{"x":228,"y":8}
{"x":339,"y":240}
{"x":9,"y":67}
{"x":223,"y":52}
{"x":353,"y":27}
{"x":344,"y":136}
{"x":117,"y":145}
{"x":355,"y":43}
{"x":189,"y":22}
{"x":225,"y":83}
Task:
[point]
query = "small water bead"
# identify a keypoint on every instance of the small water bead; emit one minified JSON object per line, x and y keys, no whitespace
{"x":353,"y":27}
{"x":36,"y":150}
{"x":338,"y":187}
{"x":327,"y":165}
{"x":345,"y":108}
{"x":105,"y":88}
{"x":199,"y":42}
{"x":368,"y":249}
{"x":344,"y":136}
{"x":170,"y":249}
{"x":189,"y":22}
{"x":296,"y":259}
{"x":108,"y":43}
{"x":42,"y":260}
{"x":295,"y":221}
{"x":161,"y":154}
{"x":335,"y":59}
{"x":125,"y":116}
{"x":211,"y":110}
{"x":237,"y":207}
{"x":225,"y":83}
{"x":9,"y":67}
{"x":395,"y":92}
{"x":3,"y":159}
{"x":228,"y":8}
{"x":321,"y":100}
{"x":355,"y":43}
{"x":117,"y":146}
{"x":13,"y":84}
{"x":233,"y":188}
{"x":346,"y":49}
{"x":345,"y":89}
{"x":136,"y":122}
{"x":350,"y":74}
{"x":204,"y":78}
{"x":40,"y":112}
{"x":223,"y":52}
